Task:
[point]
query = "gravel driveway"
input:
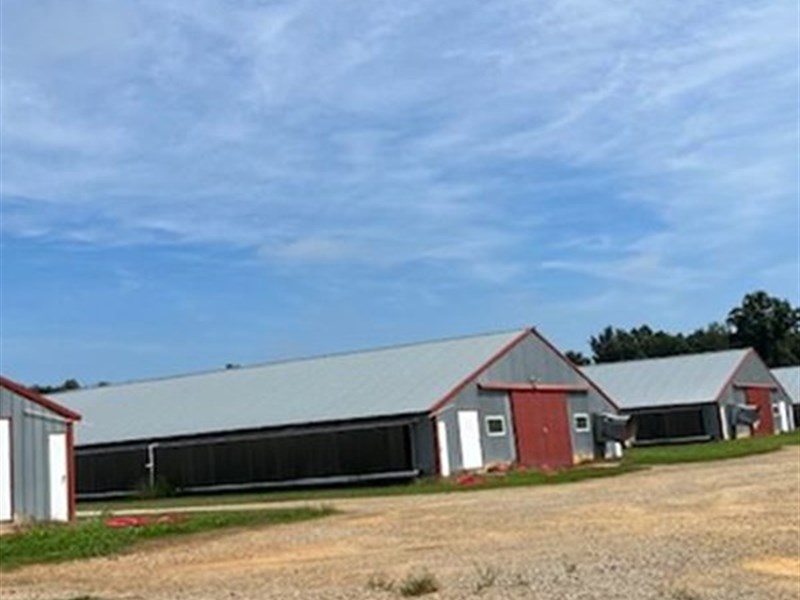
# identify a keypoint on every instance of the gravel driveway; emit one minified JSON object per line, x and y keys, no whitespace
{"x":726,"y":530}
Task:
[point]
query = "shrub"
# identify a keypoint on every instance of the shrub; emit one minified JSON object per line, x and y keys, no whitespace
{"x":419,"y":584}
{"x":161,"y":488}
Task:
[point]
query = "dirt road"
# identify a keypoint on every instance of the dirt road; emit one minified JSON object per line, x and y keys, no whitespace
{"x":726,"y":530}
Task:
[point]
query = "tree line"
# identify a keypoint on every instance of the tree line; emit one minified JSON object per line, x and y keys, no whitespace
{"x":768,"y":324}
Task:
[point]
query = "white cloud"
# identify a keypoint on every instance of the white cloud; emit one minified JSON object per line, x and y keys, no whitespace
{"x":387,"y":135}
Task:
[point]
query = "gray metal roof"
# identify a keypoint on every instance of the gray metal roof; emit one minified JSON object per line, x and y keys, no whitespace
{"x":390,"y":381}
{"x":789,"y":378}
{"x":674,"y":380}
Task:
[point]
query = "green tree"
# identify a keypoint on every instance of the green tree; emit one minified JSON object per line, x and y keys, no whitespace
{"x":69,"y":384}
{"x":577,"y":358}
{"x":714,"y":337}
{"x":768,"y":324}
{"x":614,"y":344}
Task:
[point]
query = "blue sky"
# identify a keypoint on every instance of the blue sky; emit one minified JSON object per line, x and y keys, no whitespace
{"x":187,"y":184}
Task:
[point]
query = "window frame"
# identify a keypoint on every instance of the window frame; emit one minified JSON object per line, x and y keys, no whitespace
{"x":585,"y":429}
{"x":499,"y":418}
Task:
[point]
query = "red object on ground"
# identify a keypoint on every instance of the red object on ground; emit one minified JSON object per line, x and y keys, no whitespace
{"x":469,"y":479}
{"x":140,"y":520}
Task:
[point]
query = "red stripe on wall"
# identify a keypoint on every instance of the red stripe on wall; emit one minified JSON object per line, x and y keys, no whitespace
{"x":71,"y":470}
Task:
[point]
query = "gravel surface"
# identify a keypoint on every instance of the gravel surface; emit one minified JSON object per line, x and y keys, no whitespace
{"x":725,"y":530}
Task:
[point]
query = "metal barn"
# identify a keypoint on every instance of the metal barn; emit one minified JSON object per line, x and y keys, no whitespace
{"x":37,"y":474}
{"x":789,"y":378}
{"x":388,"y":414}
{"x":697,"y":397}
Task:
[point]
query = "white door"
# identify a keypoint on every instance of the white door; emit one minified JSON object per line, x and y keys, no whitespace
{"x":59,"y":493}
{"x":469,"y":432}
{"x":444,"y":456}
{"x":784,"y":417}
{"x":5,"y":470}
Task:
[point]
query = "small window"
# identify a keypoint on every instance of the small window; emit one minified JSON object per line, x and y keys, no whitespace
{"x":496,"y":426}
{"x":581,"y":421}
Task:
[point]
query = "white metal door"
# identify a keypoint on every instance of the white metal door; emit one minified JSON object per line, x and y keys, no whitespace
{"x":5,"y":470}
{"x":784,"y":417}
{"x":59,"y":493}
{"x":469,"y":432}
{"x":444,"y":455}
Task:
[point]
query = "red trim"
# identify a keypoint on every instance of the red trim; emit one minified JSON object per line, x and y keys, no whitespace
{"x":732,"y":376}
{"x":39,"y":399}
{"x":71,"y":471}
{"x":10,"y":461}
{"x":506,"y":386}
{"x":756,"y":386}
{"x":583,"y":375}
{"x":475,"y":374}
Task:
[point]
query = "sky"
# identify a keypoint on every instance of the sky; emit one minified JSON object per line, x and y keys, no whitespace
{"x":186,"y":184}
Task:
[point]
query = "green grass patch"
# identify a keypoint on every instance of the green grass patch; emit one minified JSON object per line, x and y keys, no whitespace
{"x":48,"y":543}
{"x":420,"y":486}
{"x":687,"y":453}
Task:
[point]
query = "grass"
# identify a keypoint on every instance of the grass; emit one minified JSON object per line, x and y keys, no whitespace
{"x":85,"y":539}
{"x":635,"y":459}
{"x":421,"y":486}
{"x":688,"y":453}
{"x":487,"y":577}
{"x":418,"y":584}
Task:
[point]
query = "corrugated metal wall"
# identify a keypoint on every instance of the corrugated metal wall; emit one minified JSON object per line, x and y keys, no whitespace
{"x":111,"y":470}
{"x":31,"y":425}
{"x":389,"y":447}
{"x":694,"y":422}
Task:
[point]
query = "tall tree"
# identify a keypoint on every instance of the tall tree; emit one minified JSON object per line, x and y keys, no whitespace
{"x":613,"y":344}
{"x":768,"y":324}
{"x":714,"y":337}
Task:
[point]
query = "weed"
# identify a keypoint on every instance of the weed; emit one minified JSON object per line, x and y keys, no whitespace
{"x":486,"y":577}
{"x":418,"y":584}
{"x":570,"y":568}
{"x":160,"y":488}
